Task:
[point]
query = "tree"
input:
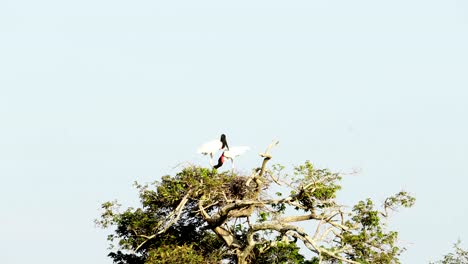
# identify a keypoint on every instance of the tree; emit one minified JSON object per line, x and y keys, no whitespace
{"x":202,"y":215}
{"x":460,"y":256}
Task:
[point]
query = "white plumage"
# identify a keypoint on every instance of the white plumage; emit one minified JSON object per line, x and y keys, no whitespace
{"x":212,"y":147}
{"x":231,"y":154}
{"x":235,"y":151}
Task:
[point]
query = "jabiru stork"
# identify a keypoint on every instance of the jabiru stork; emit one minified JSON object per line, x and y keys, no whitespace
{"x":231,"y":154}
{"x":210,"y":148}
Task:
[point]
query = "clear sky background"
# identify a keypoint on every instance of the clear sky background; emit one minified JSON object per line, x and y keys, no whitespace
{"x":97,"y":94}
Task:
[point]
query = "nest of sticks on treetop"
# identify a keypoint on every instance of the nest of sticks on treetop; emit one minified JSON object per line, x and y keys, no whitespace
{"x":241,"y":187}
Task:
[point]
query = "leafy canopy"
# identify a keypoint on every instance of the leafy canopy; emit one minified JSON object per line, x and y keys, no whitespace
{"x":202,"y":215}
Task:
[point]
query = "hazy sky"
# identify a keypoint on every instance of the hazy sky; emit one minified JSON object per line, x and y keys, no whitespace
{"x":97,"y":94}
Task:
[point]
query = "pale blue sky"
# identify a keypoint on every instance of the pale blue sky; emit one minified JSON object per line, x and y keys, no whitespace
{"x":97,"y":94}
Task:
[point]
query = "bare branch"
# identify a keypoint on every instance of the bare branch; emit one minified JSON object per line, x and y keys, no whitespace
{"x":267,"y":151}
{"x":298,"y":218}
{"x":170,"y":220}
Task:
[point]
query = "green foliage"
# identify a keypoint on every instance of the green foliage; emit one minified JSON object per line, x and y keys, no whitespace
{"x":319,"y":185}
{"x":170,"y":254}
{"x":284,"y":253}
{"x":459,"y":256}
{"x":279,"y":208}
{"x":189,"y":238}
{"x":263,"y":216}
{"x":400,"y":199}
{"x":158,"y":201}
{"x":369,"y":241}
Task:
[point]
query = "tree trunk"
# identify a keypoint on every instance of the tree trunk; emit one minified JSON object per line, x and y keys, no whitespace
{"x":241,"y":259}
{"x":244,"y":254}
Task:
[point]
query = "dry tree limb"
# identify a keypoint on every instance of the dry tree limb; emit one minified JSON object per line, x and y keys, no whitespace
{"x":171,"y":219}
{"x":267,"y":154}
{"x":266,"y":157}
{"x":330,"y":221}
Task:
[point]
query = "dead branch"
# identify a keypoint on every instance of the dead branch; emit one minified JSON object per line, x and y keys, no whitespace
{"x":169,"y":221}
{"x":266,"y":157}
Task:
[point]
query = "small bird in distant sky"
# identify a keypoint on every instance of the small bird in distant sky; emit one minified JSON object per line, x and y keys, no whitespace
{"x":210,"y":148}
{"x":231,"y":155}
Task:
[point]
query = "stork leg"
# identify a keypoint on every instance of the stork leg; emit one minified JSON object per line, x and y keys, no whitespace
{"x":211,"y":159}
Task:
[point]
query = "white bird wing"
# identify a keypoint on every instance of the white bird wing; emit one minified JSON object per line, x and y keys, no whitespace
{"x":235,"y":151}
{"x":210,"y":147}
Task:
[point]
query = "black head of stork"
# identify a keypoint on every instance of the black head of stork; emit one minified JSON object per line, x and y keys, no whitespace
{"x":224,"y":142}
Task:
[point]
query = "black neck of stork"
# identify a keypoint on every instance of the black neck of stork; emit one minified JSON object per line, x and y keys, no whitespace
{"x":220,"y":162}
